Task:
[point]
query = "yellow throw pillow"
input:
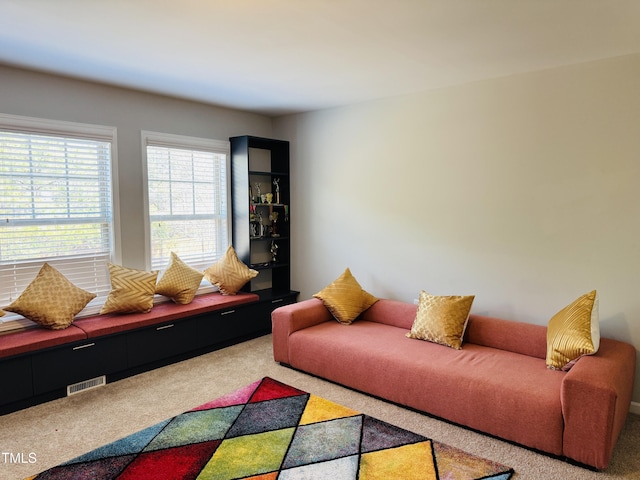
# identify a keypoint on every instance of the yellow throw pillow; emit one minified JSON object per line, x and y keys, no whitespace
{"x":51,"y":300}
{"x":229,"y":273}
{"x":573,"y":332}
{"x":441,"y":319}
{"x":345,"y":298}
{"x":180,"y":282}
{"x":131,"y":290}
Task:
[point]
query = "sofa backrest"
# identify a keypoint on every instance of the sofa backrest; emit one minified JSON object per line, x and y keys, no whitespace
{"x":391,"y":312}
{"x":518,"y":337}
{"x":509,"y":335}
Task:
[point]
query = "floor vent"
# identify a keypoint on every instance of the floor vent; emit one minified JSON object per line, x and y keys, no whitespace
{"x":86,"y":385}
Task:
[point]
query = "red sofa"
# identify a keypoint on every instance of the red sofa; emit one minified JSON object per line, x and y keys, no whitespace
{"x":498,"y":383}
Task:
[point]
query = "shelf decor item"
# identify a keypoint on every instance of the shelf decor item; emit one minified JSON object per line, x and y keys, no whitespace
{"x":276,"y":183}
{"x":273,"y":216}
{"x":258,"y":196}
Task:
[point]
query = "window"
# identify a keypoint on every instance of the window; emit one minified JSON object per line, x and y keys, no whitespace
{"x":187,"y":199}
{"x":56,"y":191}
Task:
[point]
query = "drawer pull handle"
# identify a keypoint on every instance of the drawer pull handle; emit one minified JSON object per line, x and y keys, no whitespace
{"x":80,"y":347}
{"x":165,"y":327}
{"x":227,"y":312}
{"x":277,"y":300}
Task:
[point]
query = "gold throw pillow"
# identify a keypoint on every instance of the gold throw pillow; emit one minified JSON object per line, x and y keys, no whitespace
{"x":131,"y":290}
{"x":441,"y":319}
{"x":229,"y":273}
{"x":345,"y":298}
{"x":573,"y":332}
{"x":51,"y":300}
{"x":180,"y":282}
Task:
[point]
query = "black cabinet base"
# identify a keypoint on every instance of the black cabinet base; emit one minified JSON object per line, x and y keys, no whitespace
{"x":129,"y":372}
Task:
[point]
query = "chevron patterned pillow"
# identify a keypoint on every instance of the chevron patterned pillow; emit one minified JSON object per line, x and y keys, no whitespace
{"x":131,"y":290}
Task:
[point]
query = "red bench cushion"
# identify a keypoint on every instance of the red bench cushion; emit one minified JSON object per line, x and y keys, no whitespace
{"x":33,"y":339}
{"x":163,"y":312}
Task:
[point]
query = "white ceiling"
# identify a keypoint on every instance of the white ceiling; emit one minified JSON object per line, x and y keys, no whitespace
{"x":283,"y":56}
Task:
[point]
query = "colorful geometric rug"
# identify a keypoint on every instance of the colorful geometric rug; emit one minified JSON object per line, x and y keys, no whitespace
{"x":268,"y":431}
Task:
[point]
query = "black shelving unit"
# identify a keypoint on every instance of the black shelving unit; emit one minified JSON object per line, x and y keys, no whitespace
{"x":261,"y":212}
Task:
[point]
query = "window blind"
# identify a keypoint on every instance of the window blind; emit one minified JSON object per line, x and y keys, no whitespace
{"x":187,"y":199}
{"x":56,"y":207}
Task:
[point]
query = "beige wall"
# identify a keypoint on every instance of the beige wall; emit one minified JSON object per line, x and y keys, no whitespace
{"x":524,"y":191}
{"x":46,"y":96}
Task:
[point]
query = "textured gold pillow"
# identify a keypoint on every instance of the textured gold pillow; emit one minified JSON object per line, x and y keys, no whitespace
{"x":573,"y":332}
{"x":131,"y":290}
{"x":441,"y":320}
{"x":229,"y":274}
{"x":51,"y":300}
{"x":345,"y":298}
{"x":180,"y":282}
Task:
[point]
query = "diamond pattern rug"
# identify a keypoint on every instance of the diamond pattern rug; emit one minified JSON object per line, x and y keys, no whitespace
{"x":268,"y":431}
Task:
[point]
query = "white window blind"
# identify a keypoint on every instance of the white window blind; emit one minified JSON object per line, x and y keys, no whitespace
{"x":56,"y":204}
{"x":187,"y":199}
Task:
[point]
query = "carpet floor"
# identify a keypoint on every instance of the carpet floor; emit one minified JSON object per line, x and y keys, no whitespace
{"x":41,"y":437}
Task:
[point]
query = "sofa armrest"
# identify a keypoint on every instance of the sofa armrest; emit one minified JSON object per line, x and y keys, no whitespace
{"x":596,"y":395}
{"x":287,"y":319}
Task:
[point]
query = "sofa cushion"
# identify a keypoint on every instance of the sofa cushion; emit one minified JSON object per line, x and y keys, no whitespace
{"x":163,"y":312}
{"x":51,"y":300}
{"x":573,"y":332}
{"x":131,"y":290}
{"x":345,"y":298}
{"x":179,"y":282}
{"x":502,"y":393}
{"x":441,"y":319}
{"x":229,"y":273}
{"x":32,"y":339}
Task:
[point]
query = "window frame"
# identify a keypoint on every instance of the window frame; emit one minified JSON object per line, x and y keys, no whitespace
{"x":73,"y":130}
{"x":158,"y":139}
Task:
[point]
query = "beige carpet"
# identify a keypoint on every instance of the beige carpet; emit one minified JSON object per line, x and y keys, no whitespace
{"x":60,"y":430}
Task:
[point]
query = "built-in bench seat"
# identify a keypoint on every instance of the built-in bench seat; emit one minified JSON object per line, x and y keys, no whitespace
{"x":100,"y":325}
{"x":38,"y":364}
{"x":37,"y":338}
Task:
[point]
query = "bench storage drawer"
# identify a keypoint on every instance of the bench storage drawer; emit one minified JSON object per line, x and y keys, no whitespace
{"x":16,"y":379}
{"x":161,"y":342}
{"x":80,"y":361}
{"x":219,"y":327}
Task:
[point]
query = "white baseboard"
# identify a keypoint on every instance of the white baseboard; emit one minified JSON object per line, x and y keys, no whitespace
{"x":635,"y":408}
